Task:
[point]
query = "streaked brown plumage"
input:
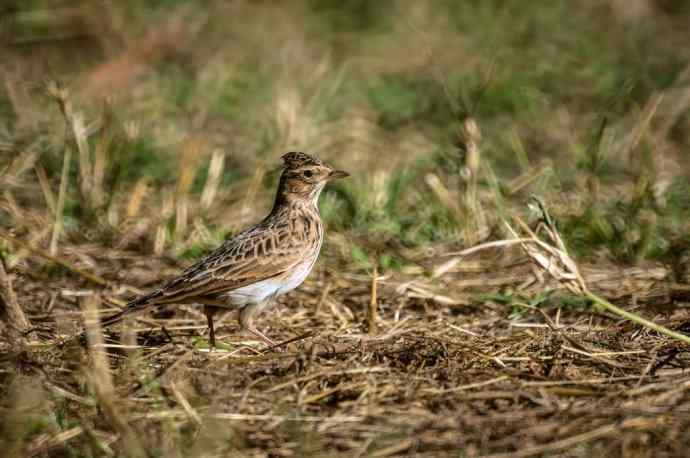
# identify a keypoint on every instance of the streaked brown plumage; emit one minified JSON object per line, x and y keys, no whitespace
{"x":268,"y":259}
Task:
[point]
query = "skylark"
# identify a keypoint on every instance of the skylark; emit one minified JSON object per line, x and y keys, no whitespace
{"x":249,"y":271}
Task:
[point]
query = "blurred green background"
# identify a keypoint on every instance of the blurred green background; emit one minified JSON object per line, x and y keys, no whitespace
{"x":135,"y":135}
{"x":583,"y":103}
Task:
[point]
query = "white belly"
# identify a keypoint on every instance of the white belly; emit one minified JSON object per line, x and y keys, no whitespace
{"x":267,"y":289}
{"x":254,"y":293}
{"x":297,"y":276}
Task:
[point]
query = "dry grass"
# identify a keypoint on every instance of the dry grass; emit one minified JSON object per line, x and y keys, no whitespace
{"x":431,"y":379}
{"x":428,"y":327}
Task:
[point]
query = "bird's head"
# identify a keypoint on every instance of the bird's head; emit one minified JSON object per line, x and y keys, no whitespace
{"x":304,"y":177}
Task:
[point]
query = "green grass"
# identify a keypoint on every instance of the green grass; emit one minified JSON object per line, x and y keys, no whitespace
{"x":511,"y":68}
{"x":376,"y":88}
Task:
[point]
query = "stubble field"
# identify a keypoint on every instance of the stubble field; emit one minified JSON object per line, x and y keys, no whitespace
{"x":137,"y":136}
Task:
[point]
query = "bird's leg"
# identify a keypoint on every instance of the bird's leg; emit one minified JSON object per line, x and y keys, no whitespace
{"x":210,"y":311}
{"x":246,"y":320}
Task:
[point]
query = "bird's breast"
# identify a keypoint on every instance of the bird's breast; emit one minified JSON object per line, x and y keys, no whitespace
{"x":299,"y":273}
{"x":269,"y":288}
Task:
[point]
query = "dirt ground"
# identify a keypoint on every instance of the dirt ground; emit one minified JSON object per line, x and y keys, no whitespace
{"x":440,"y":375}
{"x":137,"y":136}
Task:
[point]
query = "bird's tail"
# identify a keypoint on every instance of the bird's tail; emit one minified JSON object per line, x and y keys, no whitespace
{"x":135,"y":305}
{"x":116,"y":318}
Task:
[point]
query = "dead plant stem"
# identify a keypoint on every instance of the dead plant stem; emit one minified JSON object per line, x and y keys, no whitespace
{"x":636,"y":318}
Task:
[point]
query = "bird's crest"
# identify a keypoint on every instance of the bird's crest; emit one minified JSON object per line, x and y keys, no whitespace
{"x":295,"y":159}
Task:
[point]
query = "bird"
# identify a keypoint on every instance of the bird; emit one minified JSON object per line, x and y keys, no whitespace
{"x":248,"y":271}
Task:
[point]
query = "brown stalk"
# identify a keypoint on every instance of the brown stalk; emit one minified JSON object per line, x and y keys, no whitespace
{"x":44,"y":443}
{"x":91,"y":173}
{"x":100,"y":164}
{"x":64,"y":178}
{"x":166,"y":212}
{"x":188,"y":166}
{"x":373,"y":313}
{"x":10,"y":309}
{"x":215,"y":171}
{"x":61,"y":96}
{"x":470,"y":136}
{"x":444,"y":195}
{"x":45,"y":188}
{"x":86,"y":176}
{"x":136,"y":198}
{"x":642,"y":127}
{"x":101,"y":380}
{"x":552,"y":257}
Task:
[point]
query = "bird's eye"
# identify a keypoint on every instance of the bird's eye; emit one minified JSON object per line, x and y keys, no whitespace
{"x":308,"y":173}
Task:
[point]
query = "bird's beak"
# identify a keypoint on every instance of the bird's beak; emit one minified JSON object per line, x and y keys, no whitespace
{"x":335,"y":174}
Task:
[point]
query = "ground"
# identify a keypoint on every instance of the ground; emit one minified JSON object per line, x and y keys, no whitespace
{"x":136,"y":136}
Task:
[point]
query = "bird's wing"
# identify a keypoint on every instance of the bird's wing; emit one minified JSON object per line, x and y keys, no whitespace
{"x":252,"y":256}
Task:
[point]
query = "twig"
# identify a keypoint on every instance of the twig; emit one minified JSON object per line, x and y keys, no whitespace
{"x":179,"y":397}
{"x":468,"y":386}
{"x":298,"y":418}
{"x":459,"y":255}
{"x":304,"y":336}
{"x":395,"y":449}
{"x":578,"y":346}
{"x":45,"y":442}
{"x":252,"y":417}
{"x":487,"y":245}
{"x":604,"y":380}
{"x":364,"y":370}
